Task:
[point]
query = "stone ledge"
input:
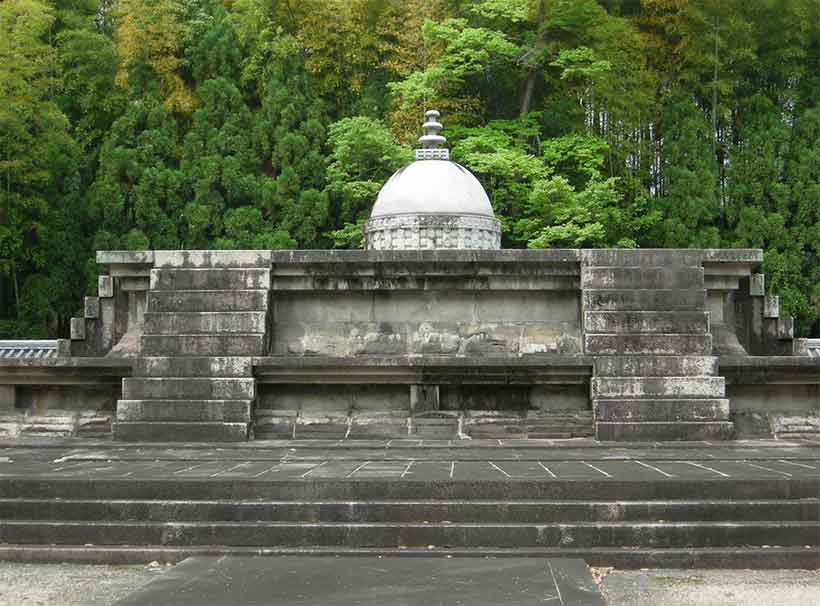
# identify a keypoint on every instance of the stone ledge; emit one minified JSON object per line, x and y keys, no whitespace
{"x":769,"y":369}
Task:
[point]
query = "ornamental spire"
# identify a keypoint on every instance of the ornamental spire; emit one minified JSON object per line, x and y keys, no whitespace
{"x":431,"y":139}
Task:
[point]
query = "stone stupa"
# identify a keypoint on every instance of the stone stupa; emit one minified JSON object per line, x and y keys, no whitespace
{"x":432,"y":203}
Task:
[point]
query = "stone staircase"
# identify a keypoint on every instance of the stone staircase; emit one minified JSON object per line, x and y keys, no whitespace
{"x":206,"y":317}
{"x":646,"y":325}
{"x":642,"y":522}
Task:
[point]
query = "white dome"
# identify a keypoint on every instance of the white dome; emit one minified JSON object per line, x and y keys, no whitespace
{"x":432,"y":187}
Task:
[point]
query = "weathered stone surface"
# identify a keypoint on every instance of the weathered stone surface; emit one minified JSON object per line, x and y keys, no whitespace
{"x":653,"y":344}
{"x":644,"y":299}
{"x":208,"y":300}
{"x":105,"y":286}
{"x":673,"y":387}
{"x":203,"y":345}
{"x":180,"y":388}
{"x":211,"y":259}
{"x":662,"y":410}
{"x":652,"y":431}
{"x":205,"y":366}
{"x":167,"y":431}
{"x":644,"y":257}
{"x":655,"y":366}
{"x":77,"y":329}
{"x":226,"y":322}
{"x":184,"y":410}
{"x":646,"y":322}
{"x":209,"y":279}
{"x":91,"y":307}
{"x":643,"y":277}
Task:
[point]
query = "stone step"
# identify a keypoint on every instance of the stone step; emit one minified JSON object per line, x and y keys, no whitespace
{"x":168,"y":431}
{"x":209,"y":279}
{"x":645,"y":257}
{"x":619,"y":299}
{"x":645,"y":322}
{"x":755,"y":557}
{"x":208,"y":300}
{"x":409,"y":511}
{"x":140,"y":388}
{"x":644,"y":486}
{"x":658,"y":344}
{"x":661,"y":366}
{"x":232,"y":411}
{"x":212,"y":259}
{"x":607,"y":431}
{"x":642,"y":277}
{"x":209,"y":322}
{"x":715,"y":409}
{"x":204,"y":366}
{"x":261,"y":534}
{"x":657,"y":387}
{"x":203,"y":345}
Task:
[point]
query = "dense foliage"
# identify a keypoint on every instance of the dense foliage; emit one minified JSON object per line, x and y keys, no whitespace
{"x":273,"y":124}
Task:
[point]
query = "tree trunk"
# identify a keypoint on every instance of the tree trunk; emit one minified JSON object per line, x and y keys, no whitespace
{"x":536,"y":48}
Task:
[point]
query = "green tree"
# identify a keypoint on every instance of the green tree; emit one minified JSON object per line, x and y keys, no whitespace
{"x":689,"y":186}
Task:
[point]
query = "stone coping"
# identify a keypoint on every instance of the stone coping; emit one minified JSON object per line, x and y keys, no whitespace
{"x":557,"y":255}
{"x":424,"y":361}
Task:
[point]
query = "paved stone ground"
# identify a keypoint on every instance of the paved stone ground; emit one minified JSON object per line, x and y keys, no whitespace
{"x":512,"y":460}
{"x":371,"y":581}
{"x":70,"y":584}
{"x":712,"y":588}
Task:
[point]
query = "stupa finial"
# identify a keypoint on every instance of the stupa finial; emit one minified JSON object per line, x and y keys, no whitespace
{"x":431,"y":140}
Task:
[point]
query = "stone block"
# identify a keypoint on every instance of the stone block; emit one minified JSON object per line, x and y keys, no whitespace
{"x":757,"y":285}
{"x":77,"y":329}
{"x":184,"y":410}
{"x":616,"y":257}
{"x":105,"y":287}
{"x":435,"y":427}
{"x":172,"y":388}
{"x":212,"y":258}
{"x":663,"y":431}
{"x":708,"y":409}
{"x":63,"y":348}
{"x":321,"y":428}
{"x":379,"y":427}
{"x":771,"y":306}
{"x":166,"y":431}
{"x":208,"y":300}
{"x":203,"y":345}
{"x":125,"y":257}
{"x":655,"y":366}
{"x":171,"y":323}
{"x":660,"y":345}
{"x":642,"y":277}
{"x":644,"y":299}
{"x":91,"y":307}
{"x":210,"y":279}
{"x":685,"y":322}
{"x":205,"y":366}
{"x":649,"y":387}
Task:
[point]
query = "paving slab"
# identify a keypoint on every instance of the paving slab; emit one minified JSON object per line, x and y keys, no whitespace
{"x":370,"y":581}
{"x":712,"y":587}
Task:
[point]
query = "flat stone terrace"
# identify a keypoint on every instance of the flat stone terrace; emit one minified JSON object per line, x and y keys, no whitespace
{"x":422,"y":460}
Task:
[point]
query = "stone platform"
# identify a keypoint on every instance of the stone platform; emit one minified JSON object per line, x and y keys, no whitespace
{"x":751,"y":504}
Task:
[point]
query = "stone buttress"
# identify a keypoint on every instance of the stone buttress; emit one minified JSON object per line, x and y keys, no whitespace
{"x":647,"y":328}
{"x":206,"y":318}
